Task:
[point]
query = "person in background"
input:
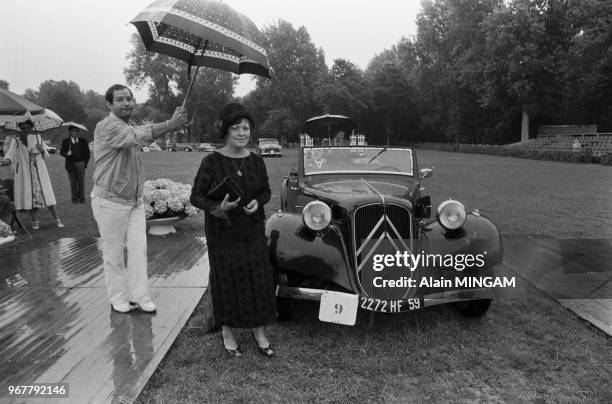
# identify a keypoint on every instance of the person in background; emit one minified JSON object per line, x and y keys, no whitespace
{"x":76,"y":152}
{"x":32,"y":186}
{"x":116,"y":198}
{"x":339,"y":139}
{"x":241,"y":276}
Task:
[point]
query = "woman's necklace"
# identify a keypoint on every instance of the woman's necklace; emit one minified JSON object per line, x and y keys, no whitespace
{"x":238,"y":169}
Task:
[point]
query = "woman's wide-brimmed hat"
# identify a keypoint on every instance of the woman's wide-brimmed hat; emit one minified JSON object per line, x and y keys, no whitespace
{"x":230,"y":114}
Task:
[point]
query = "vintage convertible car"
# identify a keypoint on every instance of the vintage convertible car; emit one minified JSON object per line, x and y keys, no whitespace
{"x":353,"y":232}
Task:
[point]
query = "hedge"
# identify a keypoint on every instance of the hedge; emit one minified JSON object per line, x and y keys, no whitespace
{"x":516,"y":151}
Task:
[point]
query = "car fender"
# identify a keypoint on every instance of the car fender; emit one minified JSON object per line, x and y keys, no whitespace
{"x":294,"y":247}
{"x":478,"y":232}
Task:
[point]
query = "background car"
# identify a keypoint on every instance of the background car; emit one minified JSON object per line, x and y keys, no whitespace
{"x":206,"y":147}
{"x":154,"y":147}
{"x":269,"y":147}
{"x":181,"y":147}
{"x":52,"y":148}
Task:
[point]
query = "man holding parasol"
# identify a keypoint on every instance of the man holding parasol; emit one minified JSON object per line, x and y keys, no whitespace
{"x":116,"y":198}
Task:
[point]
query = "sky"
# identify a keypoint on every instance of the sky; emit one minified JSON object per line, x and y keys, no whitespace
{"x":86,"y":41}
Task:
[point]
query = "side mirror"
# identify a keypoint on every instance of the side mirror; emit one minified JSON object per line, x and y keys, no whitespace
{"x":423,"y":206}
{"x":425,"y":172}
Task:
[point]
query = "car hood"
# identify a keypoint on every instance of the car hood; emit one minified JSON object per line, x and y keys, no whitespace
{"x":354,"y":192}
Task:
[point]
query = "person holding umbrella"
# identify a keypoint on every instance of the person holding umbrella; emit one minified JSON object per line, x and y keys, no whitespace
{"x":32,"y":187}
{"x":76,"y":152}
{"x":116,"y":198}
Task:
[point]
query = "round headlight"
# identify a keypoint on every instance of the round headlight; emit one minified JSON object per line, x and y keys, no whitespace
{"x":451,"y":214}
{"x":316,"y":215}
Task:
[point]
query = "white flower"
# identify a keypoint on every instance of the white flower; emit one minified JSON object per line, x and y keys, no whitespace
{"x":149,"y":211}
{"x":185,"y":195}
{"x":191,"y":210}
{"x":166,"y":198}
{"x":147,"y":196}
{"x":5,"y":229}
{"x":174,"y":203}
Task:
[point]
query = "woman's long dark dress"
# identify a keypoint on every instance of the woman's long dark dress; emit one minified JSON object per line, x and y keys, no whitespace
{"x":241,"y":277}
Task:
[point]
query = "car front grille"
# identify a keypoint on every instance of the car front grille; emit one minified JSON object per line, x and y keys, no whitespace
{"x":379,"y":229}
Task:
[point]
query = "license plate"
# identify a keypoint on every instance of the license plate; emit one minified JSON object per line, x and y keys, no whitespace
{"x":391,"y":306}
{"x":339,"y":308}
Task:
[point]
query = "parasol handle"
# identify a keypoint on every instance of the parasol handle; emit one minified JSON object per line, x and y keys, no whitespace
{"x":194,"y":76}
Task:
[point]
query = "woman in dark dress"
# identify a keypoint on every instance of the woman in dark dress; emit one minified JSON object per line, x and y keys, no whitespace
{"x":241,"y":277}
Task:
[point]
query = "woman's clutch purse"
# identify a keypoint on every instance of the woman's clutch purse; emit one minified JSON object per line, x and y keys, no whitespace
{"x":227,"y":186}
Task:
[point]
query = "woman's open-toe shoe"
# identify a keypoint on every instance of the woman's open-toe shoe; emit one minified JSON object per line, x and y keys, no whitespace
{"x":267,"y":351}
{"x":232,"y":352}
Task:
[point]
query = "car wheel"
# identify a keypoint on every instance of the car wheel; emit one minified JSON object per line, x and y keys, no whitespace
{"x":475,"y":308}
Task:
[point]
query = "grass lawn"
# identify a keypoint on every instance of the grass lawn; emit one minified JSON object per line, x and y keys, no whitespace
{"x":526,"y":349}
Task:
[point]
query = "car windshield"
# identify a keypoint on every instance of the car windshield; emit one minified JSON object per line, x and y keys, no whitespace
{"x":379,"y":160}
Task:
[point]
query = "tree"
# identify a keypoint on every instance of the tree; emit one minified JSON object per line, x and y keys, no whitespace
{"x":279,"y":124}
{"x":95,"y":108}
{"x":345,"y":91}
{"x":31,"y":95}
{"x":450,"y":45}
{"x":298,"y":68}
{"x":394,"y":115}
{"x":589,"y":79}
{"x":4,"y":84}
{"x":64,"y":98}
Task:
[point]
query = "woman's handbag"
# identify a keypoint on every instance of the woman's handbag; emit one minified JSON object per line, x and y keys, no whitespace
{"x":225,"y":187}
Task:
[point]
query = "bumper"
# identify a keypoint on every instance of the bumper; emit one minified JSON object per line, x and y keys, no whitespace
{"x":433,"y":299}
{"x":271,"y":153}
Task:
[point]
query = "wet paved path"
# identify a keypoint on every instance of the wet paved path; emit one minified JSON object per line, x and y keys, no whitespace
{"x":56,"y":325}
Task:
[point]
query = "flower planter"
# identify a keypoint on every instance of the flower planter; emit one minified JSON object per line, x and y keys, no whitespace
{"x":6,"y":240}
{"x":164,"y":225}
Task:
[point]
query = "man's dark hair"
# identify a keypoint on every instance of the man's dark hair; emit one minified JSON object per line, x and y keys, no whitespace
{"x":115,"y":87}
{"x":73,"y":129}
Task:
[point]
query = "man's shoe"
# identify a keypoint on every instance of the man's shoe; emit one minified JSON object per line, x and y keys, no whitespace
{"x":81,"y":201}
{"x":35,"y":225}
{"x":147,"y":307}
{"x":122,"y":307}
{"x":59,"y":223}
{"x":74,"y":201}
